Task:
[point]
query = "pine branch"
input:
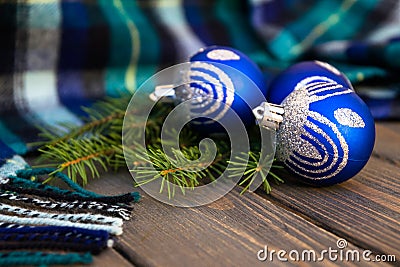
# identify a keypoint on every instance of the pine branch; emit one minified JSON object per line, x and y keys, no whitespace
{"x":78,"y":156}
{"x":102,"y":116}
{"x":84,"y":151}
{"x":153,"y":163}
{"x":254,"y":169}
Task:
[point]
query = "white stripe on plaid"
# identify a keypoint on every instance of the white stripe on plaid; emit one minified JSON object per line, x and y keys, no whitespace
{"x":36,"y":89}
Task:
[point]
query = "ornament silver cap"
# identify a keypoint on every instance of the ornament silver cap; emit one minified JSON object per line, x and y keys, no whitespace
{"x":269,"y":115}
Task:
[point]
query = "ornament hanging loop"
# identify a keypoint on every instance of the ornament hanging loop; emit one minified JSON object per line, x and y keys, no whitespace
{"x":269,"y":115}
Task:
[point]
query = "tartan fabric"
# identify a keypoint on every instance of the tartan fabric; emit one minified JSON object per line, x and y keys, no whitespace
{"x":56,"y":56}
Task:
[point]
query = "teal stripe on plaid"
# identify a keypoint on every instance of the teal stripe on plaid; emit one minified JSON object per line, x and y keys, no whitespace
{"x":132,"y":41}
{"x":392,"y":54}
{"x":326,"y":20}
{"x":120,"y":49}
{"x":150,"y":44}
{"x":12,"y":140}
{"x":242,"y":35}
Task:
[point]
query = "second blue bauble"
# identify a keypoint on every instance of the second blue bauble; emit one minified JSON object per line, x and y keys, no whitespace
{"x":300,"y":71}
{"x":328,"y":132}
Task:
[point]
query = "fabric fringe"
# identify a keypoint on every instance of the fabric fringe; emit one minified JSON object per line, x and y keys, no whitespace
{"x":37,"y":217}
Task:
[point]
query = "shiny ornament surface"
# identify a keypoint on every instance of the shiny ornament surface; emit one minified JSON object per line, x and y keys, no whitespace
{"x":222,"y":79}
{"x":283,"y":84}
{"x":327,"y":134}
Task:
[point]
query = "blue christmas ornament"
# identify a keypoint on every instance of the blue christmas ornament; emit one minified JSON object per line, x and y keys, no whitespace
{"x":283,"y":84}
{"x":327,"y":133}
{"x":222,"y":78}
{"x":233,"y":58}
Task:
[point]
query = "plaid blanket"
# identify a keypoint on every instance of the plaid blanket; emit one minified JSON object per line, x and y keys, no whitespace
{"x":56,"y":56}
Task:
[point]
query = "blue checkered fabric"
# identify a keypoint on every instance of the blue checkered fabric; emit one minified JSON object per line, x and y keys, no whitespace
{"x":56,"y":56}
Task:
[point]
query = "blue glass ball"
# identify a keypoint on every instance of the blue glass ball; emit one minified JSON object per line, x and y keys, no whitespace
{"x":283,"y":83}
{"x":327,"y":134}
{"x":222,"y":77}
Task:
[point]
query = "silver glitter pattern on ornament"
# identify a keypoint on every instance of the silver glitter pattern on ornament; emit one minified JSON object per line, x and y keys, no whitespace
{"x":333,"y":162}
{"x":209,"y":89}
{"x":291,"y":126}
{"x":301,"y":124}
{"x":318,"y":88}
{"x":348,"y":117}
{"x":222,"y":54}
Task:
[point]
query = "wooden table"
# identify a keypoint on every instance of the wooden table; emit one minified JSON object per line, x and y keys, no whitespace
{"x":365,"y":211}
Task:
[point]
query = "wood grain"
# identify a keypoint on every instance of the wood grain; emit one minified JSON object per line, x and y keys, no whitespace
{"x":228,"y":232}
{"x":387,"y":144}
{"x":112,"y":258}
{"x":393,"y":125}
{"x":365,"y":209}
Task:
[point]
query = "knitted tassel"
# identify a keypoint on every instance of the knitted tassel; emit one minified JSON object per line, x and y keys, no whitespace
{"x":39,"y":258}
{"x":22,"y":181}
{"x":103,"y":208}
{"x":79,"y":217}
{"x":86,"y":229}
{"x":51,"y":237}
{"x":115,"y":230}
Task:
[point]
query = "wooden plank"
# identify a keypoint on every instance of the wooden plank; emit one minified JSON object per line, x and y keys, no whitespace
{"x":108,"y":258}
{"x":228,"y":232}
{"x":387,"y":143}
{"x":393,"y":125}
{"x":364,"y":210}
